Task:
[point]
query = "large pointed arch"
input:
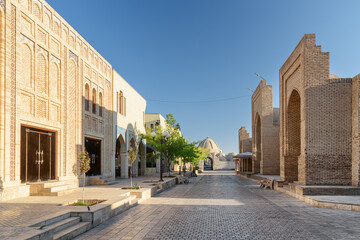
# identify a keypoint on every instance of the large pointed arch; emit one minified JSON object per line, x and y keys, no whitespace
{"x":293,"y":136}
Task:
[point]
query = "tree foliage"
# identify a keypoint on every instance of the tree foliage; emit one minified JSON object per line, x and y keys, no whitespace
{"x":176,"y":147}
{"x":84,"y":162}
{"x":84,"y":166}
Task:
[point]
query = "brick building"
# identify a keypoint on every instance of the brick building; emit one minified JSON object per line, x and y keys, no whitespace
{"x":245,"y":141}
{"x":319,"y":116}
{"x":56,"y":98}
{"x":265,"y":131}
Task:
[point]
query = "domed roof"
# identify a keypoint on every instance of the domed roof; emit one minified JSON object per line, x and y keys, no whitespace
{"x":208,"y":143}
{"x":333,"y":76}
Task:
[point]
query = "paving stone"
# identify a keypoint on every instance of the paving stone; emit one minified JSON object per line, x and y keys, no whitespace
{"x":220,"y":205}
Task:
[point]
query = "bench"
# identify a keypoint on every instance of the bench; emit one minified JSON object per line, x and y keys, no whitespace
{"x":183,"y":180}
{"x":267,"y":183}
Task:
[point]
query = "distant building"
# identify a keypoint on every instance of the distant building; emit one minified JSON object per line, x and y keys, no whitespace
{"x":151,"y":121}
{"x":217,"y":159}
{"x":245,"y":142}
{"x":154,"y":119}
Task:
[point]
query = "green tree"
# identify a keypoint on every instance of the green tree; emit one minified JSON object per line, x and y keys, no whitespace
{"x":84,"y":167}
{"x":176,"y":147}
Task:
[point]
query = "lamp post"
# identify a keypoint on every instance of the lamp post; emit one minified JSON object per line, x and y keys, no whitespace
{"x":165,"y":135}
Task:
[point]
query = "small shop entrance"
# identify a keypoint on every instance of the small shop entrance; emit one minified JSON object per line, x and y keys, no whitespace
{"x":93,"y":147}
{"x":37,"y":155}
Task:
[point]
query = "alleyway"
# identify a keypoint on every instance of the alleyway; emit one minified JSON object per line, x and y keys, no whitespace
{"x":220,"y":205}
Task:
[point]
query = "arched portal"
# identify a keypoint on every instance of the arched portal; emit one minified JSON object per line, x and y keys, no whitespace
{"x":209,"y":165}
{"x":293,"y":140}
{"x":258,"y":144}
{"x":119,"y":154}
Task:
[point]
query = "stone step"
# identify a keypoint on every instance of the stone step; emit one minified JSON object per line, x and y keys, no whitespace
{"x":56,"y":191}
{"x":59,"y":188}
{"x":64,"y":192}
{"x":51,"y":221}
{"x":73,"y":231}
{"x":54,"y":184}
{"x":63,"y":224}
{"x":286,"y":187}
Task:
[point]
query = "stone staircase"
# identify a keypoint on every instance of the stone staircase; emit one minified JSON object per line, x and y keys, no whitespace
{"x":99,"y":180}
{"x":62,"y":227}
{"x":52,"y":188}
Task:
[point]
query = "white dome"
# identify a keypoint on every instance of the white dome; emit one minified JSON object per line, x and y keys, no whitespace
{"x":210,"y":144}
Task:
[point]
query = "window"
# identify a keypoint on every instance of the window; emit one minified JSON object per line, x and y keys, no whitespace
{"x":87,"y":97}
{"x":100,"y":105}
{"x":94,"y":101}
{"x":121,"y":102}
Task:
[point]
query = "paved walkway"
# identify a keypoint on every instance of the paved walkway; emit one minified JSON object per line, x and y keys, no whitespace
{"x":17,"y":214}
{"x":220,"y":205}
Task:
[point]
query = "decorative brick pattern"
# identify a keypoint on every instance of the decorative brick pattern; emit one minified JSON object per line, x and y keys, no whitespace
{"x":41,"y":108}
{"x":65,"y":113}
{"x":41,"y":74}
{"x":13,"y":93}
{"x":26,"y":58}
{"x":54,"y":79}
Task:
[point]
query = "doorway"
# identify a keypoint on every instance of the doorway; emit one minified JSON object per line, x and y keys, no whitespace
{"x":37,"y":155}
{"x":93,"y":147}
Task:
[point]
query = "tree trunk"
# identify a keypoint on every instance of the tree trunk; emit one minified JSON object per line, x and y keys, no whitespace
{"x":131,"y":176}
{"x":83,"y":189}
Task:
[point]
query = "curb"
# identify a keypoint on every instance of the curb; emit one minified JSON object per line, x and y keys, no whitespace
{"x":311,"y":201}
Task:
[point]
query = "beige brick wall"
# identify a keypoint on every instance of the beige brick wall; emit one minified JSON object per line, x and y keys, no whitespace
{"x":265,"y":131}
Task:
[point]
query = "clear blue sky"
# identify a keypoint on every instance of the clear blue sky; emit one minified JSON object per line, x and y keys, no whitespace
{"x":188,"y":50}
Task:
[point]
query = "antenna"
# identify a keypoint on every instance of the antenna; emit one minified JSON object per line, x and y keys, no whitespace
{"x":251,"y":90}
{"x":260,"y":76}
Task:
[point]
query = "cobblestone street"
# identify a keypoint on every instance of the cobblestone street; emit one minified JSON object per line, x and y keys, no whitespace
{"x":220,"y":205}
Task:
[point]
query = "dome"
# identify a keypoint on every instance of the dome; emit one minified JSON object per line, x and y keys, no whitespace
{"x":210,"y":144}
{"x":333,"y":76}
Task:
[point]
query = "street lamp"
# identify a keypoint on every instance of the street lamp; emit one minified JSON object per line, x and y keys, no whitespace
{"x":163,"y":138}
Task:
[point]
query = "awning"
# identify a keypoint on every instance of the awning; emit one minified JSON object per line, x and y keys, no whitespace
{"x":243,"y":155}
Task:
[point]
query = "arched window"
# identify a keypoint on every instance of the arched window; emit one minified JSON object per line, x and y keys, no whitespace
{"x":94,"y":101}
{"x":121,"y":106}
{"x":100,"y":105}
{"x":87,"y":97}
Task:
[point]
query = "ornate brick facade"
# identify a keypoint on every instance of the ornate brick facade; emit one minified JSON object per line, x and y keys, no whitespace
{"x":44,"y":64}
